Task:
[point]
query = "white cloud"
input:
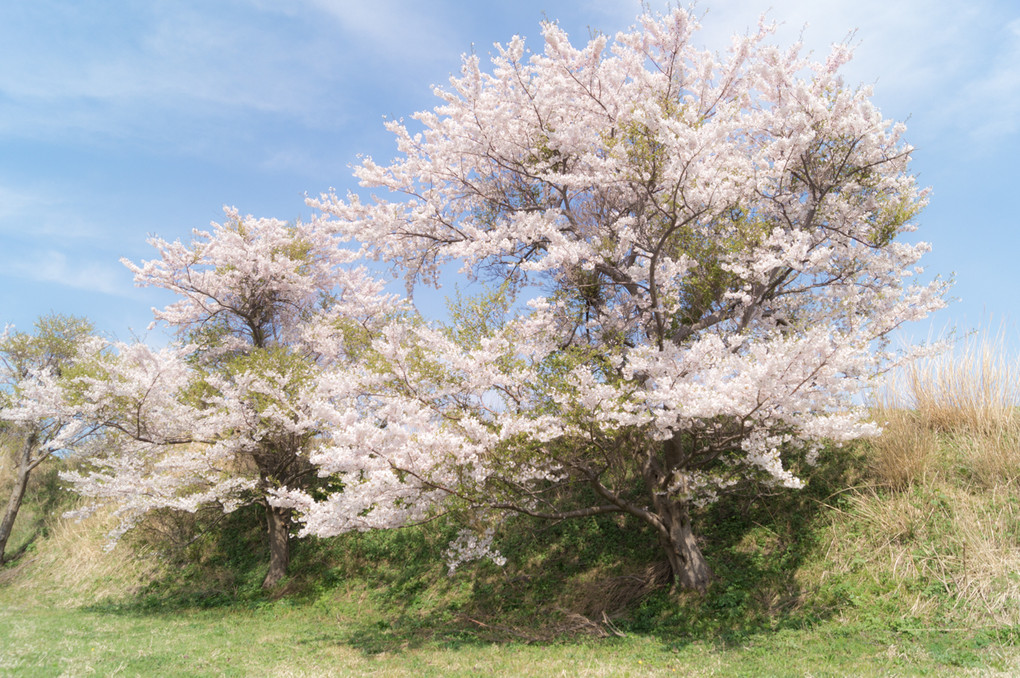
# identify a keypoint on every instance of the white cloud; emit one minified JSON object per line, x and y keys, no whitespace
{"x":15,"y":203}
{"x":37,"y":214}
{"x":53,"y":266}
{"x":150,"y":71}
{"x":991,"y":101}
{"x":394,"y":30}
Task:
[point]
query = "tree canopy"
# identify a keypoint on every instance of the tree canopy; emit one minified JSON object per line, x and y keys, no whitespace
{"x":34,"y":366}
{"x":228,"y":413}
{"x":693,"y":263}
{"x":702,"y":258}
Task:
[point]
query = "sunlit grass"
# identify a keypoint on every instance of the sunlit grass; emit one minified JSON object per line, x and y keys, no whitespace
{"x":309,"y":641}
{"x":955,"y":411}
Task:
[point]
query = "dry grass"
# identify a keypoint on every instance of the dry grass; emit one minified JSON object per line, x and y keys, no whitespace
{"x":949,"y":529}
{"x":596,"y":595}
{"x":974,"y":389}
{"x":993,"y":458}
{"x":949,"y":553}
{"x":75,"y":566}
{"x":8,"y":465}
{"x":906,"y":451}
{"x":961,"y":403}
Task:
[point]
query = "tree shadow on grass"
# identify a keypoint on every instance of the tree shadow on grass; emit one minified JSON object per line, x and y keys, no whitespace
{"x":389,"y":591}
{"x":600,"y":577}
{"x":756,"y":546}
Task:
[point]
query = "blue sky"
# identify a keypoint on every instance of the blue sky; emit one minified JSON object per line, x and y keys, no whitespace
{"x":120,"y":119}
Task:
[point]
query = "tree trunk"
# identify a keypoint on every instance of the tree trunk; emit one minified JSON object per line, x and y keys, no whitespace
{"x":672,"y":518}
{"x":14,"y":503}
{"x":279,"y":545}
{"x":688,"y":564}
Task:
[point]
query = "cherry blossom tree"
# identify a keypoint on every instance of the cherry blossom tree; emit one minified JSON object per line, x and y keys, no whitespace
{"x":700,"y":259}
{"x":33,"y":412}
{"x":228,"y":413}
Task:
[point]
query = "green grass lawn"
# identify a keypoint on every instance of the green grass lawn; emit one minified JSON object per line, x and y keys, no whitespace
{"x":282,"y":639}
{"x":839,"y":579}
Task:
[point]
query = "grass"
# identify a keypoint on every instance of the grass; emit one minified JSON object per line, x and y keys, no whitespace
{"x":947,"y":486}
{"x":805,"y":587}
{"x":901,"y":557}
{"x":954,"y":415}
{"x":315,"y":641}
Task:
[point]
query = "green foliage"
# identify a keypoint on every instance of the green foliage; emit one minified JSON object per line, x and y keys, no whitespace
{"x":556,"y":573}
{"x":210,"y":559}
{"x":281,"y":366}
{"x":889,"y":219}
{"x":473,"y":318}
{"x":54,"y":343}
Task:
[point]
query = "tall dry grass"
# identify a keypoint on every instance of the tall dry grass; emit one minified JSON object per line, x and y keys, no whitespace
{"x":949,"y":529}
{"x":946,"y":554}
{"x":974,"y":389}
{"x":8,"y":465}
{"x":906,"y":451}
{"x":964,"y":403}
{"x":72,"y":567}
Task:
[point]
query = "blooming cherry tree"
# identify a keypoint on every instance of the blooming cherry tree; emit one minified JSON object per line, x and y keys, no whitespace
{"x":230,"y":413}
{"x":34,"y":413}
{"x":700,"y":257}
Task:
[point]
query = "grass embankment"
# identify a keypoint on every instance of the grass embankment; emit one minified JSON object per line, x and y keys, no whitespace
{"x":902,"y":557}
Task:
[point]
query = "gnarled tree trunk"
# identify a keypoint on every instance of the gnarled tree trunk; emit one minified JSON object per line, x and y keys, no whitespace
{"x":279,"y":544}
{"x":688,"y":564}
{"x":673,"y":518}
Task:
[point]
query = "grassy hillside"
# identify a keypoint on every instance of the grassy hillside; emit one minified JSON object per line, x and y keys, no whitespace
{"x":901,"y":557}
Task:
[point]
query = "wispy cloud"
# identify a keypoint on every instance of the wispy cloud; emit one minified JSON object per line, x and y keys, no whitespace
{"x":159,"y":71}
{"x":15,"y":203}
{"x":396,"y":32}
{"x":990,"y":103}
{"x":53,"y":266}
{"x":38,"y":214}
